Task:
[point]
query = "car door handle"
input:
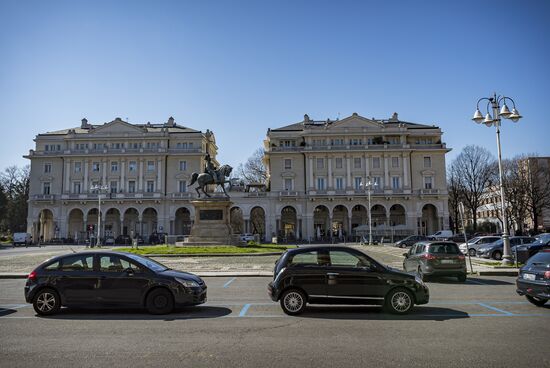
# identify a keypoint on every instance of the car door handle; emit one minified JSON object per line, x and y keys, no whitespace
{"x":332,"y":274}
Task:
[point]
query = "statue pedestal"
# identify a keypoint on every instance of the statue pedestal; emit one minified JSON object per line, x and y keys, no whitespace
{"x":211,"y":225}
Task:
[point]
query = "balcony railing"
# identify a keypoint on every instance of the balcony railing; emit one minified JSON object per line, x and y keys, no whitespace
{"x":43,"y":197}
{"x":181,"y":195}
{"x":428,"y":191}
{"x":288,"y":193}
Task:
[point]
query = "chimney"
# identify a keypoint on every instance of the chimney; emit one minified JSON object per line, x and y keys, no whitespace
{"x":84,"y":124}
{"x":171,"y":122}
{"x":394,"y":118}
{"x":306,"y":118}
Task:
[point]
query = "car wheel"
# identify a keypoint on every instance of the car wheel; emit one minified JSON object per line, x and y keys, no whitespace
{"x":461,"y":278}
{"x":399,"y":301}
{"x":293,"y":302}
{"x":497,"y":255}
{"x":472,"y":252}
{"x":160,"y":301}
{"x":46,"y":302}
{"x":539,"y":302}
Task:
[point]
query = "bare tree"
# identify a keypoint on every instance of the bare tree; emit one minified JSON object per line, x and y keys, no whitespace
{"x":15,"y":187}
{"x":254,"y":169}
{"x":472,"y":170}
{"x":455,"y":197}
{"x":538,"y":187}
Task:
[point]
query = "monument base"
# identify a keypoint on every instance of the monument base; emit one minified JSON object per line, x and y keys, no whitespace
{"x":211,"y":225}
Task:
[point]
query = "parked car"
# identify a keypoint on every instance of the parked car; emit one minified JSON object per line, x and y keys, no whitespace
{"x":109,"y":240}
{"x":123,"y":240}
{"x":410,"y":240}
{"x":156,"y":238}
{"x":247,"y":237}
{"x":534,"y":279}
{"x":475,"y":243}
{"x":441,"y":235}
{"x":22,"y":238}
{"x":112,"y":279}
{"x":542,"y":242}
{"x":341,"y":275}
{"x":435,"y":258}
{"x":495,"y":249}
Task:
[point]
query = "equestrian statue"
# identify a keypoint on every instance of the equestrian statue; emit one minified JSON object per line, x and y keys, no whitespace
{"x":211,"y":175}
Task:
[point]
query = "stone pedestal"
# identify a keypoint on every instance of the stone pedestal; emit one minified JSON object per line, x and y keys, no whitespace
{"x":211,"y":225}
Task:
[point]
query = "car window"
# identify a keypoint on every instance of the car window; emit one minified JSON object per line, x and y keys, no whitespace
{"x":419,"y":249}
{"x":340,"y":258}
{"x":413,"y":249}
{"x":540,"y":257}
{"x":305,"y":258}
{"x":443,"y":249}
{"x":112,"y":263}
{"x":52,"y":266}
{"x":515,"y":241}
{"x":77,"y":263}
{"x":528,"y":240}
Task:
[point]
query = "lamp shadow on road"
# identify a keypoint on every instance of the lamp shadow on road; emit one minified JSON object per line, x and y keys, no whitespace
{"x":183,"y":313}
{"x":424,"y":313}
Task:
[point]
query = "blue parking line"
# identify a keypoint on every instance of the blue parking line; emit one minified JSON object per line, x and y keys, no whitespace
{"x":505,"y":313}
{"x":244,"y":310}
{"x":226,"y":285}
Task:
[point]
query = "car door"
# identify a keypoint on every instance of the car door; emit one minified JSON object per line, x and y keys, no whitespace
{"x":351,"y":276}
{"x":308,"y":270}
{"x":76,"y":281}
{"x":407,"y":261}
{"x":121,"y":281}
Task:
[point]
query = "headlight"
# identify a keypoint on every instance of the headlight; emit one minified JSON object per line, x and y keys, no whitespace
{"x":419,"y":280}
{"x":187,"y":283}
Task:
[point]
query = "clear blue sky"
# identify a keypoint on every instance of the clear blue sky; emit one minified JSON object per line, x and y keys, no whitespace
{"x":240,"y":67}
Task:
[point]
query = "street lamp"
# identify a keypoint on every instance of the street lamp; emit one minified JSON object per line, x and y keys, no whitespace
{"x":367,"y":186}
{"x":99,"y":189}
{"x":498,"y":112}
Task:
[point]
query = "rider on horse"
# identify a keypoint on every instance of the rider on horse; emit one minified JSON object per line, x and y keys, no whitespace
{"x":211,"y":169}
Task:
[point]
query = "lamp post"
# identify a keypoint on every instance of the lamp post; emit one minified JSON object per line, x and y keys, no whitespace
{"x":367,"y":186}
{"x":499,"y":112}
{"x":99,"y":189}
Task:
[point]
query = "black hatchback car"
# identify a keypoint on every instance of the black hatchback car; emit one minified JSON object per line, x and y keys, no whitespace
{"x":534,"y":279}
{"x":341,"y":275}
{"x":110,"y":279}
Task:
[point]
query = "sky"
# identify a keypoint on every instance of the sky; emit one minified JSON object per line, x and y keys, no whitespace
{"x":241,"y":67}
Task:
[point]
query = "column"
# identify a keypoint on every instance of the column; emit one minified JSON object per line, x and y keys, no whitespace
{"x":367,"y":168}
{"x":140,"y":176}
{"x":121,"y":224}
{"x":159,"y":176}
{"x":330,"y":183}
{"x":348,"y":172}
{"x":349,"y":226}
{"x":386,"y":172}
{"x":405,"y":170}
{"x":104,"y":166}
{"x":68,"y":176}
{"x":85,"y":176}
{"x":311,"y":183}
{"x":328,"y":228}
{"x":300,"y":234}
{"x":122,"y":179}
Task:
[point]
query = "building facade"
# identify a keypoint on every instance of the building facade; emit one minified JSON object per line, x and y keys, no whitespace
{"x":317,"y":171}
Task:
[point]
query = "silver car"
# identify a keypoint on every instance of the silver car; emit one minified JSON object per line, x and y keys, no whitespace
{"x":475,"y":243}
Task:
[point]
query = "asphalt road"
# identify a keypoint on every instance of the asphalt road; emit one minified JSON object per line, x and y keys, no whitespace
{"x":482,"y":323}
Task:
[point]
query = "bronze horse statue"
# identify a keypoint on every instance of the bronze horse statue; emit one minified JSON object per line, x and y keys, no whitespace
{"x":204,"y":179}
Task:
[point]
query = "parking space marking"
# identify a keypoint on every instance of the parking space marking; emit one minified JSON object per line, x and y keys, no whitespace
{"x":496,"y":309}
{"x":244,"y":310}
{"x":226,"y":285}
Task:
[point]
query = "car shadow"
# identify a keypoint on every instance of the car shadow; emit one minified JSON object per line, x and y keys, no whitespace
{"x":7,"y":311}
{"x":377,"y":313}
{"x":469,"y":281}
{"x":183,"y":313}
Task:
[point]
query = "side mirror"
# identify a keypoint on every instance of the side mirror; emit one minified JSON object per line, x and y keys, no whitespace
{"x":129,"y":272}
{"x":406,"y":255}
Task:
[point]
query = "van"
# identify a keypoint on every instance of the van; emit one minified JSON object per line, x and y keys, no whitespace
{"x":442,"y":235}
{"x":22,"y":238}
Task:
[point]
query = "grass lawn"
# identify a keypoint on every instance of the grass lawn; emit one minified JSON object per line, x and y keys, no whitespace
{"x":190,"y":249}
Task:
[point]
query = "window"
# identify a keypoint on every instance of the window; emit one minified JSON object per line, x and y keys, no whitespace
{"x":321,"y":183}
{"x":376,"y":182}
{"x":339,"y":164}
{"x":395,"y":162}
{"x":376,"y":162}
{"x":116,"y":145}
{"x":76,"y":187}
{"x":427,"y":161}
{"x":135,"y":145}
{"x":319,"y":142}
{"x":77,"y":263}
{"x":395,"y":182}
{"x":183,"y":165}
{"x":114,"y":185}
{"x":46,"y":188}
{"x":116,"y":264}
{"x":150,"y":165}
{"x":95,"y":166}
{"x":131,"y":186}
{"x":288,"y":143}
{"x":182,"y":186}
{"x":77,"y":167}
{"x":357,"y":182}
{"x":47,"y":168}
{"x":288,"y":184}
{"x":150,"y":186}
{"x":320,"y":163}
{"x":132,"y":166}
{"x":339,"y":183}
{"x":428,"y":182}
{"x":357,"y":163}
{"x":356,"y":142}
{"x":340,"y":258}
{"x":337,"y":142}
{"x":114,"y":166}
{"x":288,"y":164}
{"x":81,"y":146}
{"x":303,"y":259}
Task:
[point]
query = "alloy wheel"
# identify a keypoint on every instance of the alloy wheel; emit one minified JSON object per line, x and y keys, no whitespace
{"x":401,"y":301}
{"x":293,"y":301}
{"x":45,"y":302}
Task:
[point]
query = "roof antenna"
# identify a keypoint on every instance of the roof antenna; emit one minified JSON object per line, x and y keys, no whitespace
{"x":338,"y":118}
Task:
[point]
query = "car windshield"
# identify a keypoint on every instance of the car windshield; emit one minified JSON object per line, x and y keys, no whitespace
{"x":443,"y":249}
{"x":149,"y":263}
{"x":541,"y":239}
{"x":474,"y":240}
{"x":540,"y":258}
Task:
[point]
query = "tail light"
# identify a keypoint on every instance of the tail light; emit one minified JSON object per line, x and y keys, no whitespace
{"x":547,"y":275}
{"x":32,"y":276}
{"x":428,"y":256}
{"x":462,"y":257}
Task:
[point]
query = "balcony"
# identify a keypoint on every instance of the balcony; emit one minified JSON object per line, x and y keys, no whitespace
{"x":428,"y":191}
{"x":180,"y":195}
{"x":43,"y":197}
{"x":185,"y":150}
{"x":288,"y":193}
{"x":256,"y":194}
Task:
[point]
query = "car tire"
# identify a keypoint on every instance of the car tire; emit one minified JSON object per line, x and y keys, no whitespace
{"x":160,"y":301}
{"x":539,"y":302}
{"x":497,"y":255}
{"x":461,"y":278}
{"x":46,"y":302}
{"x":399,"y":301}
{"x":293,"y":302}
{"x":472,"y":252}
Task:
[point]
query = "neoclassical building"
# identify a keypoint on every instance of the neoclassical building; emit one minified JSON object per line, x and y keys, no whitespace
{"x":317,"y":171}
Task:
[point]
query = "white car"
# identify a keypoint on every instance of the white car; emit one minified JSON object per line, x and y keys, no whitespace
{"x":22,"y":238}
{"x":441,"y":235}
{"x":247,"y":237}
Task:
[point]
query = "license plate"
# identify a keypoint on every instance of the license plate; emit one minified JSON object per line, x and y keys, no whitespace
{"x":447,"y":261}
{"x":528,"y":276}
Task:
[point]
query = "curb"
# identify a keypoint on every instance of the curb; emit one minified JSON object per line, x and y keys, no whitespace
{"x":12,"y":276}
{"x":212,"y":255}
